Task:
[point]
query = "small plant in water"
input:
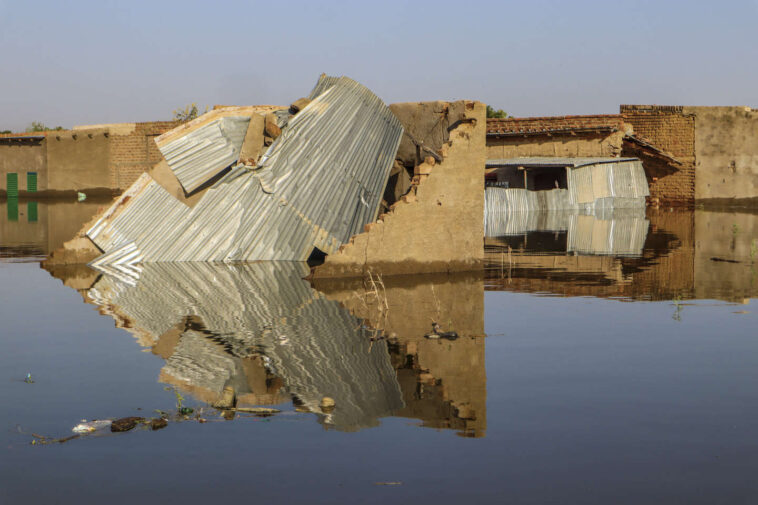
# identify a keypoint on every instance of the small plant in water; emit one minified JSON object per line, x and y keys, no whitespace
{"x":28,"y":378}
{"x":180,"y":403}
{"x":677,"y":301}
{"x":735,"y":229}
{"x":753,"y":250}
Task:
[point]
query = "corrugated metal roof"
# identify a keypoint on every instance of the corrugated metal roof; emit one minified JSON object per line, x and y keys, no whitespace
{"x":201,"y":153}
{"x":317,"y":185}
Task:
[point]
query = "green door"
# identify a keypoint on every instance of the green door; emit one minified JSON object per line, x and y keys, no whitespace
{"x":12,"y":184}
{"x":31,"y":181}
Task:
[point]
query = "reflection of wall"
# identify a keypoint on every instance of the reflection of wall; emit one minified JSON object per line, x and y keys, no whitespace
{"x":43,"y":226}
{"x":443,"y":382}
{"x":663,"y":270}
{"x":723,"y":246}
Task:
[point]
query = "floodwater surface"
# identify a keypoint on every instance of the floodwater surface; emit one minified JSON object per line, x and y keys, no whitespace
{"x":596,"y":361}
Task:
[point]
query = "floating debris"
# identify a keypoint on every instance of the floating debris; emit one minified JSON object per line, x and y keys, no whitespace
{"x":126,"y":424}
{"x":91,"y":426}
{"x":28,"y":378}
{"x":437,"y":333}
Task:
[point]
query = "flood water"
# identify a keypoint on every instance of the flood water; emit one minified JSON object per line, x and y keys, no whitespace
{"x":597,"y":361}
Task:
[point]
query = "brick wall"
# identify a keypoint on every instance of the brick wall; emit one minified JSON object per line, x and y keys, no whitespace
{"x":670,"y":129}
{"x":134,"y":153}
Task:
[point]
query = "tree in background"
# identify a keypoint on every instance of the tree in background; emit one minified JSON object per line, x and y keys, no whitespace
{"x":499,"y":113}
{"x":5,"y":131}
{"x":188,"y":113}
{"x":38,"y":126}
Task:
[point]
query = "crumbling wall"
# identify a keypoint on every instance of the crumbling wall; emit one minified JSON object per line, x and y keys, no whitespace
{"x":671,"y":129}
{"x":726,"y":154}
{"x":438,"y":225}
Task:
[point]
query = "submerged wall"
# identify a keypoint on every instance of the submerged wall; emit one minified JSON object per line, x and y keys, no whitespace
{"x":437,"y":226}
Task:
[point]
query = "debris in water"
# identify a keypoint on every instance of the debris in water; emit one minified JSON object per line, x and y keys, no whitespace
{"x":158,"y":423}
{"x":28,"y":378}
{"x":91,"y":426}
{"x":126,"y":423}
{"x":80,"y":197}
{"x":437,"y":333}
{"x":255,"y":410}
{"x":394,"y":483}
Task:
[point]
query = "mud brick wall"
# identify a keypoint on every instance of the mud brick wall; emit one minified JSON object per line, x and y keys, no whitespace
{"x":438,"y":225}
{"x":670,"y":129}
{"x":561,"y":136}
{"x":135,"y":152}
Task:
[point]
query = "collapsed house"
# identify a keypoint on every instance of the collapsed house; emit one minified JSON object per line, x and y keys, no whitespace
{"x":317,"y":184}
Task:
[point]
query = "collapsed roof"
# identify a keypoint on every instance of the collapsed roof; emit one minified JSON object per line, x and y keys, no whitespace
{"x":318,"y":183}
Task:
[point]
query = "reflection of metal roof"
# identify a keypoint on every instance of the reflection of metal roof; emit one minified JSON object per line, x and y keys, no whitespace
{"x":617,"y":232}
{"x":259,"y":309}
{"x":317,"y":185}
{"x":549,"y":162}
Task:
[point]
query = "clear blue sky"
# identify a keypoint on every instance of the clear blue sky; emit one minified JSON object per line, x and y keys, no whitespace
{"x":84,"y":62}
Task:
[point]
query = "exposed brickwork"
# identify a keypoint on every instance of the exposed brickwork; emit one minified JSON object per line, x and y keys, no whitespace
{"x":554,"y":124}
{"x":672,"y":130}
{"x":132,"y":154}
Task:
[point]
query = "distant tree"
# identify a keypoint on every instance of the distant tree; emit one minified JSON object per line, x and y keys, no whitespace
{"x":38,"y":126}
{"x":499,"y":113}
{"x":6,"y":131}
{"x":188,"y":113}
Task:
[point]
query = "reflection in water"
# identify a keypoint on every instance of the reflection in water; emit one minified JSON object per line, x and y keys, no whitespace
{"x":31,"y":228}
{"x":685,"y":255}
{"x":619,"y":232}
{"x":261,"y":329}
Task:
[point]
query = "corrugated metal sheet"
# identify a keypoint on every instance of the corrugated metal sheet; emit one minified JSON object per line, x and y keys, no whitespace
{"x":317,"y":185}
{"x":324,"y":82}
{"x":262,"y":309}
{"x":202,"y":153}
{"x":605,"y":183}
